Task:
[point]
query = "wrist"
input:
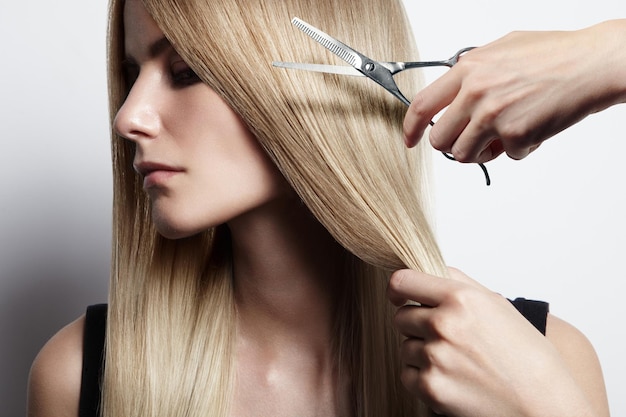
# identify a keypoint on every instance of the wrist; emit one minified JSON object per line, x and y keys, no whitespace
{"x":608,"y":38}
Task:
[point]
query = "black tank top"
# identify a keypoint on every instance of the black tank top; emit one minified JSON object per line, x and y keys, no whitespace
{"x":93,"y":348}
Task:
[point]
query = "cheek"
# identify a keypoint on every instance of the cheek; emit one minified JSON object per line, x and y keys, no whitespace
{"x":220,"y":185}
{"x":240,"y":180}
{"x":228,"y":154}
{"x":227,"y":171}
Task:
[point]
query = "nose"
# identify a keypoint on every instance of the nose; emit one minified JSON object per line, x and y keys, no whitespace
{"x":138,"y":118}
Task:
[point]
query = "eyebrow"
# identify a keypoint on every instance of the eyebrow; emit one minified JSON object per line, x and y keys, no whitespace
{"x":155,"y":49}
{"x":158,"y":47}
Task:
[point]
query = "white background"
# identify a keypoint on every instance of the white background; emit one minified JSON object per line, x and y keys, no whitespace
{"x":550,"y":227}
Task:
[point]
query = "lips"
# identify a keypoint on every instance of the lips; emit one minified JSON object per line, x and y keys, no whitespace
{"x":155,"y":173}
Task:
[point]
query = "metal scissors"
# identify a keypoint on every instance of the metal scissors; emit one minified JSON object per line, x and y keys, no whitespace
{"x":360,"y":65}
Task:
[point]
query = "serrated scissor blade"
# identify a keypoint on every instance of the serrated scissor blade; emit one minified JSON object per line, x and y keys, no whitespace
{"x":338,"y":48}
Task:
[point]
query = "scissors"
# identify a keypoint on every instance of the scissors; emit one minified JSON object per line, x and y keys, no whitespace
{"x":360,"y":65}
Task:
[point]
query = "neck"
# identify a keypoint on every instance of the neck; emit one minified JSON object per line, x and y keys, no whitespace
{"x":286,"y":270}
{"x":285,"y":275}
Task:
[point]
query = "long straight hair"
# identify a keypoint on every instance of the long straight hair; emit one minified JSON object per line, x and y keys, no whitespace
{"x":337,"y":141}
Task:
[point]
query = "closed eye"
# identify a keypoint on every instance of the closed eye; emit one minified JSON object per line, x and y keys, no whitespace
{"x":183,"y":75}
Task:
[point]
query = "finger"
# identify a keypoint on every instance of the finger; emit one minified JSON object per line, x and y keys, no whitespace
{"x":426,"y":104}
{"x":448,"y":128}
{"x":534,"y":148}
{"x":471,"y":142}
{"x":412,"y":353}
{"x":491,"y":152}
{"x":459,"y":276}
{"x":452,"y":122}
{"x":411,"y":379}
{"x":420,"y":383}
{"x":520,"y":152}
{"x":518,"y":144}
{"x":408,"y":284}
{"x":413,"y":321}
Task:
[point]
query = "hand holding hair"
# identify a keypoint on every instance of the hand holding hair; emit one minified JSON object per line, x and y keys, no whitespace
{"x":514,"y":93}
{"x":468,"y":352}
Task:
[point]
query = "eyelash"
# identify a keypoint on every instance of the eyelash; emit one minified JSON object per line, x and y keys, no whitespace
{"x":184,"y":77}
{"x":179,"y":78}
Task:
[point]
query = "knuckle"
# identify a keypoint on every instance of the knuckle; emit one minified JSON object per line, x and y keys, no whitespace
{"x":434,"y":138}
{"x":513,"y":132}
{"x":467,"y":63}
{"x":517,"y":141}
{"x":463,"y":296}
{"x":429,"y":386}
{"x":474,"y":91}
{"x":442,"y":326}
{"x":410,"y":378}
{"x":463,"y":154}
{"x":489,"y":113}
{"x":432,"y":355}
{"x":409,"y":351}
{"x":417,"y":107}
{"x":437,"y":140}
{"x":399,"y":318}
{"x":461,"y":302}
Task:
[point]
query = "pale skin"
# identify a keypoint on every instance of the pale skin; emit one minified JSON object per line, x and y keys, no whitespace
{"x":284,"y":290}
{"x":467,"y":353}
{"x":514,"y":93}
{"x":201,"y":168}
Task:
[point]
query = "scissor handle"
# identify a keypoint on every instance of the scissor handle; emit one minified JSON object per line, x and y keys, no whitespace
{"x":450,"y":62}
{"x":481,"y":165}
{"x":385,"y":78}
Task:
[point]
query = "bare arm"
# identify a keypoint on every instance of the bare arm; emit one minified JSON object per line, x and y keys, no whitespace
{"x":582,"y":361}
{"x":55,"y":376}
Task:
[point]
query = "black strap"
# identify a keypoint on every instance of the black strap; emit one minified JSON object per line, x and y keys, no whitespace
{"x":93,"y":360}
{"x":535,"y":312}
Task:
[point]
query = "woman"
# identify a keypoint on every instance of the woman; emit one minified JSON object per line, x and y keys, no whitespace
{"x":258,"y":217}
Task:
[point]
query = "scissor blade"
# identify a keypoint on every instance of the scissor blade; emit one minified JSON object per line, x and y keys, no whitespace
{"x":328,"y":69}
{"x":374,"y":70}
{"x":338,"y":48}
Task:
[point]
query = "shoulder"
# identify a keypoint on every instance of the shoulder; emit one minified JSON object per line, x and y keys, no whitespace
{"x":581,"y":359}
{"x":55,"y":375}
{"x":570,"y":342}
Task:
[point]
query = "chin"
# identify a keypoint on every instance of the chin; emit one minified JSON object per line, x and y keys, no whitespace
{"x":174,"y":234}
{"x":175,"y":230}
{"x":179,"y":227}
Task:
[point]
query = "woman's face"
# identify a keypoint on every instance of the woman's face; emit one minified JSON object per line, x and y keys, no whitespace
{"x":201,"y":165}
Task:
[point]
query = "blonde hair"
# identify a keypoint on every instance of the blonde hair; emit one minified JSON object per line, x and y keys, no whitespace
{"x":337,"y":141}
